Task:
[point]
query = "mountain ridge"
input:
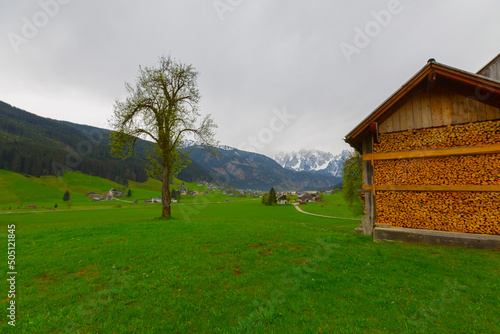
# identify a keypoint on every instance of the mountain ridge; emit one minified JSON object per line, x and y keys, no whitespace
{"x":249,"y":170}
{"x":34,"y":145}
{"x":312,"y":160}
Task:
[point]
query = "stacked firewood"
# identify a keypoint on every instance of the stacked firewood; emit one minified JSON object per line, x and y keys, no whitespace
{"x":452,"y":170}
{"x":471,"y":134}
{"x":473,"y":212}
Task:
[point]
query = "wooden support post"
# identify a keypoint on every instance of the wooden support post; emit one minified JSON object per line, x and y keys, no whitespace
{"x":370,"y":211}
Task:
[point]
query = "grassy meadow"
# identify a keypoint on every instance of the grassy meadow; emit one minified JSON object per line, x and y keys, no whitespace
{"x":238,"y":267}
{"x":332,"y":205}
{"x":17,"y":192}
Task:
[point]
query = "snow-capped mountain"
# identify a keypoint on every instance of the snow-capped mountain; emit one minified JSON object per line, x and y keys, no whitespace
{"x":191,"y":143}
{"x":313,"y":161}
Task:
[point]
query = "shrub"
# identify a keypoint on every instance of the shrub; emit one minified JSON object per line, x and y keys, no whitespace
{"x":265,"y":199}
{"x":66,"y":196}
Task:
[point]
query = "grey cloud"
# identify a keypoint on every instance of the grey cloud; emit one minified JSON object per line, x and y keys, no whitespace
{"x":264,"y":55}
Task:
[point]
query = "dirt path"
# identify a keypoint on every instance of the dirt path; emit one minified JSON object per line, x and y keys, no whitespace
{"x":313,"y":214}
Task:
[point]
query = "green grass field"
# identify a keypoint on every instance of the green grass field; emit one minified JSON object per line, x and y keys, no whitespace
{"x":17,"y":192}
{"x":239,"y":267}
{"x":332,"y":205}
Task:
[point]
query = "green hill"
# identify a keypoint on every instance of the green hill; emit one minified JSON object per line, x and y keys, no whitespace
{"x":34,"y":145}
{"x":18,"y":191}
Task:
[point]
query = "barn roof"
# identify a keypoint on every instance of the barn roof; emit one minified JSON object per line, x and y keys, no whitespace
{"x":494,"y":60}
{"x":432,"y":74}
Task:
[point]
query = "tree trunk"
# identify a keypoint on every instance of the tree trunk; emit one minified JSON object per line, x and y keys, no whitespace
{"x":165,"y":194}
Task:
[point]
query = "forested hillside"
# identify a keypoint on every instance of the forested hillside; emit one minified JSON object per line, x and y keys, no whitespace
{"x":34,"y":145}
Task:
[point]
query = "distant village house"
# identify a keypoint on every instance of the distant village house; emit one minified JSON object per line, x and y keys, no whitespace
{"x":282,"y":200}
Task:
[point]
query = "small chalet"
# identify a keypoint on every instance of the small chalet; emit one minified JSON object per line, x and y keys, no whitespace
{"x":431,"y":155}
{"x":314,"y":193}
{"x":318,"y":199}
{"x":108,"y":196}
{"x":115,"y":192}
{"x":306,"y":197}
{"x":282,"y":200}
{"x":92,"y":195}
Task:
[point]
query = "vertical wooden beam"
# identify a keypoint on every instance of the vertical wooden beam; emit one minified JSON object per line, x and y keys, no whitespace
{"x":437,"y":112}
{"x":368,"y":220}
{"x":454,"y":100}
{"x":402,"y":119}
{"x":446,"y":101}
{"x":473,"y":115}
{"x":410,"y":123}
{"x":417,"y":110}
{"x":426,"y":110}
{"x":383,"y":127}
{"x":492,"y":113}
{"x":395,"y":122}
{"x":389,"y":124}
{"x":481,"y":112}
{"x":463,"y":114}
{"x":367,"y":165}
{"x":373,"y":170}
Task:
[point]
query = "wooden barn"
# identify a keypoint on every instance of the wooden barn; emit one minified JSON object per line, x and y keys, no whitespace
{"x":431,"y":153}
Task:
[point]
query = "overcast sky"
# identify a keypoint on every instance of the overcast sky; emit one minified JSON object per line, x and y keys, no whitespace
{"x":276,"y":75}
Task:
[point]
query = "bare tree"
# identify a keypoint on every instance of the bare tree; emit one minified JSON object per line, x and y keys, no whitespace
{"x":162,"y":108}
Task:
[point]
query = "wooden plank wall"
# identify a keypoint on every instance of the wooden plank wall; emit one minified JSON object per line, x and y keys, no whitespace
{"x":493,"y":70}
{"x":440,"y":107}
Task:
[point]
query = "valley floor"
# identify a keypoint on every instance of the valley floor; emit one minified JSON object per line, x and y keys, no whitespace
{"x":239,"y":267}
